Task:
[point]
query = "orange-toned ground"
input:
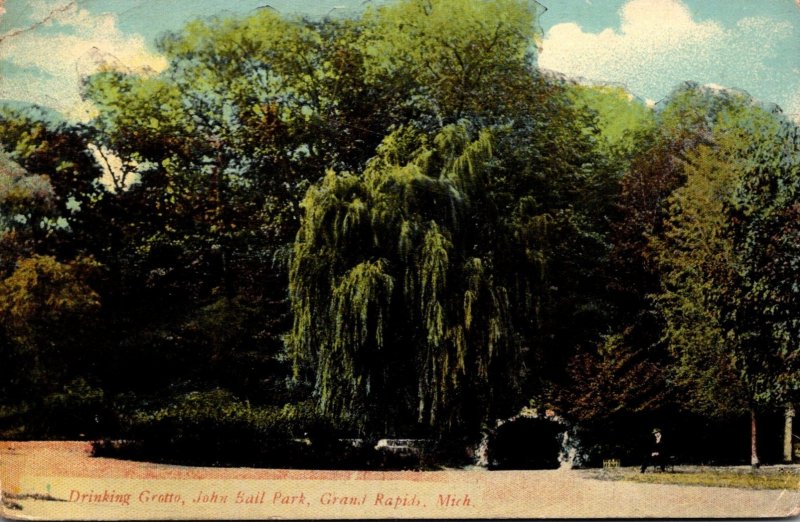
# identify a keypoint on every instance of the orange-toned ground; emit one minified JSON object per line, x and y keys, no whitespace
{"x":73,"y":459}
{"x":60,"y":480}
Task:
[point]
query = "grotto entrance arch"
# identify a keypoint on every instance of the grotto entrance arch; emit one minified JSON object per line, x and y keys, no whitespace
{"x":532,"y":439}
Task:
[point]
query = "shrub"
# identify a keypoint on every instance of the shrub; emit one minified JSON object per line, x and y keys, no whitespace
{"x":76,"y":411}
{"x":214,"y":428}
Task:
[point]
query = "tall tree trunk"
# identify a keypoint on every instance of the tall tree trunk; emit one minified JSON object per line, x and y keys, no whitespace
{"x":754,"y":462}
{"x":787,"y":432}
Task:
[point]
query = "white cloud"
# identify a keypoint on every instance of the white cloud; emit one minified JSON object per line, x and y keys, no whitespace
{"x":71,"y":44}
{"x":662,"y":21}
{"x":659,"y":45}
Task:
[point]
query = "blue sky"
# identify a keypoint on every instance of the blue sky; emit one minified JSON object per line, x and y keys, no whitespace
{"x":648,"y":46}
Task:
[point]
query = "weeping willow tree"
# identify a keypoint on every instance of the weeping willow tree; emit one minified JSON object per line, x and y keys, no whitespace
{"x":400,"y":317}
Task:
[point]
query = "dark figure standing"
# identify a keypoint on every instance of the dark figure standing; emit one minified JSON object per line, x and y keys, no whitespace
{"x":656,"y":456}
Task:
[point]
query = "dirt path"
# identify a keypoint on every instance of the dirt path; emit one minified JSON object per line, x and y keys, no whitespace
{"x":61,"y":480}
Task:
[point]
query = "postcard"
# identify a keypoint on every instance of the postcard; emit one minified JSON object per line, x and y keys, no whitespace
{"x":394,"y":259}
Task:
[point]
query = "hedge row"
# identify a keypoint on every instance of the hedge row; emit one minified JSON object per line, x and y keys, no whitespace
{"x":215,"y":429}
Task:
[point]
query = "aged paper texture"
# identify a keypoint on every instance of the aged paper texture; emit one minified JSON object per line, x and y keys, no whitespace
{"x":389,"y":259}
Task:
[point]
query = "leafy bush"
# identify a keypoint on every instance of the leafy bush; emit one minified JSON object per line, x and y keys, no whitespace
{"x":214,"y":428}
{"x":77,"y":411}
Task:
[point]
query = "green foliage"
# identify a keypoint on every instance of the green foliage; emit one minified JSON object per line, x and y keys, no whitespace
{"x":198,"y":410}
{"x":717,"y":325}
{"x":388,"y":225}
{"x":457,"y":59}
{"x":60,"y":175}
{"x":776,"y":478}
{"x":212,"y":428}
{"x":251,"y":108}
{"x":43,"y":293}
{"x":19,"y":190}
{"x":621,"y":117}
{"x":215,"y":428}
{"x":216,"y":152}
{"x":383,"y":278}
{"x":26,"y":202}
{"x":74,"y":411}
{"x":697,"y":265}
{"x":46,"y":311}
{"x":763,"y":225}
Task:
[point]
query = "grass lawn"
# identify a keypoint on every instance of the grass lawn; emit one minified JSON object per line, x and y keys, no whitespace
{"x":767,"y":477}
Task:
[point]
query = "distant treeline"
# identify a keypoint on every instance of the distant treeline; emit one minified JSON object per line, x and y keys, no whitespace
{"x":393,"y":226}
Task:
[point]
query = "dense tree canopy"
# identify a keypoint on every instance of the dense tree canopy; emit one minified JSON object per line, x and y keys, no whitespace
{"x":717,"y":303}
{"x":396,"y":303}
{"x":393,"y":225}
